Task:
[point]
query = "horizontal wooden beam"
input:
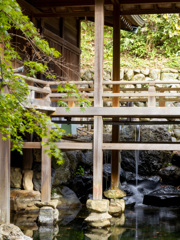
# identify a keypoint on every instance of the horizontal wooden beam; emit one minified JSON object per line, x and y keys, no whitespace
{"x":122,"y":122}
{"x":142,"y":146}
{"x":72,"y":14}
{"x":65,"y":3}
{"x":142,"y":94}
{"x":39,"y":90}
{"x":74,"y":145}
{"x":151,"y":112}
{"x":145,"y":2}
{"x":30,"y":145}
{"x":34,"y":80}
{"x":139,"y":11}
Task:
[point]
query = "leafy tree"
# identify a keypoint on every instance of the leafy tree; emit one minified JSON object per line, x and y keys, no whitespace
{"x":158,"y":37}
{"x":15,"y":119}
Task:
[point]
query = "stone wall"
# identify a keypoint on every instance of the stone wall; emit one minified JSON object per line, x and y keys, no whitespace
{"x":144,"y":74}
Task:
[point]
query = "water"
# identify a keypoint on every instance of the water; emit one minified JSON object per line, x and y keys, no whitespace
{"x":141,"y":223}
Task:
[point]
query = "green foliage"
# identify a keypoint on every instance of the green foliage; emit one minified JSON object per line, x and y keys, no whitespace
{"x":16,"y":121}
{"x":72,"y":91}
{"x":80,"y":171}
{"x":158,"y":38}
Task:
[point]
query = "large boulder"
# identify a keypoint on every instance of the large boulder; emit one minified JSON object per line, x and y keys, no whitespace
{"x":82,"y":185}
{"x":149,"y":162}
{"x":66,"y":171}
{"x":163,"y":197}
{"x":170,"y":175}
{"x":37,"y":176}
{"x":66,"y":198}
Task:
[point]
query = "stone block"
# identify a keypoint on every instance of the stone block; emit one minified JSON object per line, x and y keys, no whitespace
{"x":52,"y":203}
{"x":139,"y":77}
{"x":46,"y":216}
{"x":145,"y":71}
{"x":98,"y":205}
{"x":23,"y":199}
{"x":114,"y":193}
{"x":129,"y":74}
{"x":154,"y":74}
{"x":100,"y":224}
{"x":96,"y":217}
{"x":169,"y":76}
{"x":27,"y":180}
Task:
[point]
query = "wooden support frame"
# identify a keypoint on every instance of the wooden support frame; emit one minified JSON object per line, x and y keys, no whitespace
{"x":4,"y":180}
{"x":115,"y":159}
{"x":98,"y":102}
{"x":45,"y":174}
{"x":97,"y":158}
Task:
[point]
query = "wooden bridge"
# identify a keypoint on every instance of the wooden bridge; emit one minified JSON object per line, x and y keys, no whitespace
{"x":155,"y":94}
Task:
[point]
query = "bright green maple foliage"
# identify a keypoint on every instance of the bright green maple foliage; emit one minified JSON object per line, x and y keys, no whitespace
{"x":15,"y":119}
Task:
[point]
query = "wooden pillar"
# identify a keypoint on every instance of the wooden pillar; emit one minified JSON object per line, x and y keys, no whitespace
{"x":5,"y":149}
{"x":151,"y":99}
{"x":115,"y":160}
{"x":45,"y":174}
{"x":4,"y":180}
{"x":98,"y":90}
{"x":97,"y":158}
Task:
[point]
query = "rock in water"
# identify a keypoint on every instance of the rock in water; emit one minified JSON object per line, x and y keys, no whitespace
{"x":163,"y":197}
{"x":48,"y":216}
{"x":112,"y":194}
{"x":12,"y":232}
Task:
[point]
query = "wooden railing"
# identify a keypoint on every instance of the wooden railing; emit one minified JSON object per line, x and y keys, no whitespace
{"x":152,"y":93}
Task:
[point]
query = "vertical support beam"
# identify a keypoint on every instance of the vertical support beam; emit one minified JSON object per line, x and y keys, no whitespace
{"x":5,"y":149}
{"x":97,"y":158}
{"x":98,"y":102}
{"x":115,"y":160}
{"x":99,"y":46}
{"x":45,"y":174}
{"x":151,"y":99}
{"x":4,"y":180}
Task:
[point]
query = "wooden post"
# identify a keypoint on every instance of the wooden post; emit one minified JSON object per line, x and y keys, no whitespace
{"x":97,"y":158}
{"x":99,"y":43}
{"x":5,"y":149}
{"x":98,"y":90}
{"x":151,"y":99}
{"x":45,"y":174}
{"x":4,"y":170}
{"x":115,"y":160}
{"x":4,"y":180}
